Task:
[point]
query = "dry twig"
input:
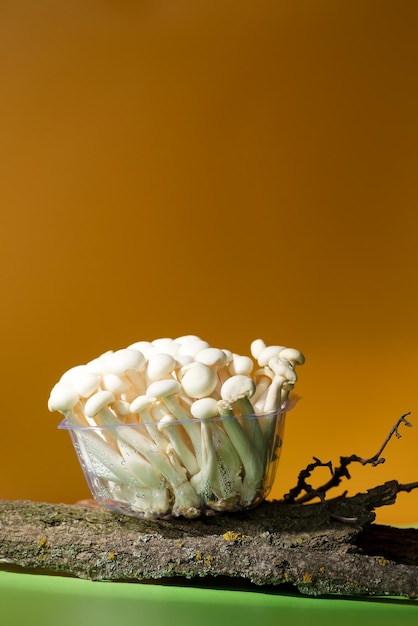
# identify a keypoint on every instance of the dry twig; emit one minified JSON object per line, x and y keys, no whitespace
{"x":340,"y":472}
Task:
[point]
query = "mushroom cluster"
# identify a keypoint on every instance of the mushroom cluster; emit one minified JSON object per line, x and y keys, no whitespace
{"x":175,"y":427}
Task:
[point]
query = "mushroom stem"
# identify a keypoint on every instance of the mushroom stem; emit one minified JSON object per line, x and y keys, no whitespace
{"x":96,"y":405}
{"x":147,"y":501}
{"x":283,"y":374}
{"x":222,"y":465}
{"x":144,"y":473}
{"x":129,"y":363}
{"x":166,"y":390}
{"x":171,"y":428}
{"x":100,"y":459}
{"x":283,"y":381}
{"x":206,"y":482}
{"x":252,"y":460}
{"x":65,"y":399}
{"x":262,"y":379}
{"x":239,"y":389}
{"x":141,"y":406}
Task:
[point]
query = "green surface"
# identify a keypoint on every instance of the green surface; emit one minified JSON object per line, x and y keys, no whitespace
{"x":27,"y":599}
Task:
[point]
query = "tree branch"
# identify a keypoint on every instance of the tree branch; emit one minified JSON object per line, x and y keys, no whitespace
{"x":273,"y":545}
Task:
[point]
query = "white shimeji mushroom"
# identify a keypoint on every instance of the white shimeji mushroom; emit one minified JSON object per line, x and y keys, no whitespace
{"x":275,"y":401}
{"x":130,"y":363}
{"x":167,"y":391}
{"x":122,"y":409}
{"x":268,"y":353}
{"x":108,"y":463}
{"x":115,"y":384}
{"x":239,"y":389}
{"x":73,"y":372}
{"x":175,"y":425}
{"x":251,"y":458}
{"x":84,"y":381}
{"x":100,"y":458}
{"x":149,"y":503}
{"x":213,"y":357}
{"x":199,"y":381}
{"x":186,"y":499}
{"x":223,"y":372}
{"x":256,"y":347}
{"x":97,"y":408}
{"x":284,"y":379}
{"x":99,"y":364}
{"x":293,"y":356}
{"x":217,"y":360}
{"x":65,"y":399}
{"x":183,"y":339}
{"x":144,"y":489}
{"x":145,"y":347}
{"x":166,"y":345}
{"x":151,"y":412}
{"x":173,"y":431}
{"x":221,"y":467}
{"x":141,"y":405}
{"x":181,"y":361}
{"x":159,"y":366}
{"x":262,"y":378}
{"x":158,"y":411}
{"x":192,"y":347}
{"x":145,"y":474}
{"x":207,"y":481}
{"x":240,"y":365}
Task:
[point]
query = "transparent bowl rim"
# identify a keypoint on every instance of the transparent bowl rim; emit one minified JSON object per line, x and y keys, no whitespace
{"x":287,"y":406}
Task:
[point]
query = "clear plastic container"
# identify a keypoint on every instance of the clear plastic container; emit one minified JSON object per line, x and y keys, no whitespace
{"x":181,"y":468}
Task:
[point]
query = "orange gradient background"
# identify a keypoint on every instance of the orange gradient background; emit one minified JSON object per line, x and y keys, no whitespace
{"x":228,"y":169}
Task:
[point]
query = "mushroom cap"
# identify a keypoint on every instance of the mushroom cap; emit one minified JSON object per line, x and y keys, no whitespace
{"x":228,"y":353}
{"x":199,"y":381}
{"x":160,"y":365}
{"x":211,"y":356}
{"x":166,"y":420}
{"x":281,"y":368}
{"x":115,"y":384}
{"x":87,"y":383}
{"x":237,"y":387}
{"x":267,"y":353}
{"x":158,"y":410}
{"x":163,"y":388}
{"x":293,"y":356}
{"x":140,"y":403}
{"x":186,"y":367}
{"x":240,"y":365}
{"x":256,"y":347}
{"x":74,"y":372}
{"x":204,"y":408}
{"x":183,"y":359}
{"x":99,"y":364}
{"x":145,"y":347}
{"x":265,"y":372}
{"x":193,"y":347}
{"x":186,"y":338}
{"x":97,"y":402}
{"x":166,"y":345}
{"x":124,"y":360}
{"x":84,"y":380}
{"x":63,"y":397}
{"x":121,"y":407}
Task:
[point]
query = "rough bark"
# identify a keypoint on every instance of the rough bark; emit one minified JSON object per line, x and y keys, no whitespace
{"x":310,"y":547}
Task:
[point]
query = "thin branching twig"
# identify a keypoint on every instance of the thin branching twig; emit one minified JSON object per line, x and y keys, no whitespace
{"x":340,"y":472}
